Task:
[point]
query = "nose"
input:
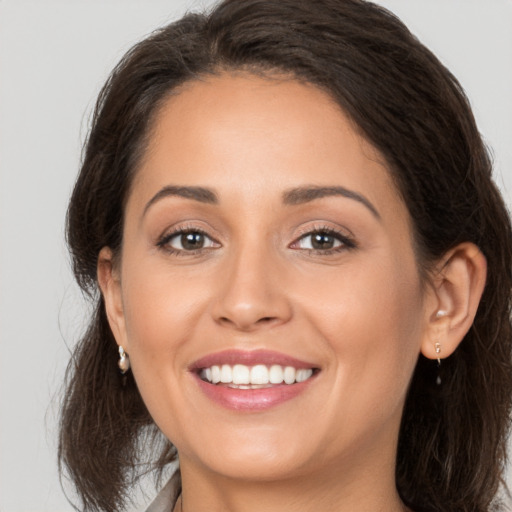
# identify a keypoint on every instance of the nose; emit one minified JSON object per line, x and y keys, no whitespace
{"x":252,"y":295}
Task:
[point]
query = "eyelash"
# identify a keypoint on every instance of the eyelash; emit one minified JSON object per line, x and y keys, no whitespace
{"x":163,"y":242}
{"x":346,"y":242}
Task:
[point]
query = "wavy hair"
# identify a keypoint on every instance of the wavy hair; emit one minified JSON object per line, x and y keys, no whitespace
{"x":452,"y":444}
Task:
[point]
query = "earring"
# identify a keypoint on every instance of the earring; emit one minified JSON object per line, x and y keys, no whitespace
{"x":124,"y":361}
{"x":438,"y":352}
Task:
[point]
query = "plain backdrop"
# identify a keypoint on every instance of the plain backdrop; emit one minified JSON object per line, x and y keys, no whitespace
{"x":54,"y":57}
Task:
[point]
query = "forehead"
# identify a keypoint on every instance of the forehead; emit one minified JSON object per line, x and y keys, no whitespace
{"x":246,"y":134}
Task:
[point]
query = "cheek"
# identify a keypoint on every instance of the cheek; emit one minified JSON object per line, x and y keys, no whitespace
{"x":161,"y":313}
{"x":160,"y":304}
{"x":371,"y":317}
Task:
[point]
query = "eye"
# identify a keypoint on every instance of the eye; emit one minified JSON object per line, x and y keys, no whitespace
{"x":187,"y":241}
{"x":323,"y":241}
{"x":319,"y":241}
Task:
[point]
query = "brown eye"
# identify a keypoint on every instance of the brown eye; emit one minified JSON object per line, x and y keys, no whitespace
{"x":187,"y":241}
{"x":191,"y":241}
{"x":320,"y":241}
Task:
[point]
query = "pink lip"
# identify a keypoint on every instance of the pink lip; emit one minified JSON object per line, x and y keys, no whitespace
{"x":250,"y":399}
{"x":249,"y":358}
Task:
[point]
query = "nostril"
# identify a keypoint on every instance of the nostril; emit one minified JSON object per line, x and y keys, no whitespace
{"x":247,"y":324}
{"x":266,"y":319}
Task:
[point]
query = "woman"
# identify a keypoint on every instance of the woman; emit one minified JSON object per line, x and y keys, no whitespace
{"x":304,"y":272}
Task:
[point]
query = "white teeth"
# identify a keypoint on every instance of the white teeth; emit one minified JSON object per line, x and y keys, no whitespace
{"x":275,"y":375}
{"x":303,"y":374}
{"x":215,"y":374}
{"x":289,"y":375}
{"x":241,"y":374}
{"x":226,"y":374}
{"x":258,"y":375}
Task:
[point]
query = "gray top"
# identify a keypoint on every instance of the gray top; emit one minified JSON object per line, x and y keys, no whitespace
{"x":166,"y":498}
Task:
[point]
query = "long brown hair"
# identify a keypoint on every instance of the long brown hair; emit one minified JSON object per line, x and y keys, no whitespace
{"x":452,"y":445}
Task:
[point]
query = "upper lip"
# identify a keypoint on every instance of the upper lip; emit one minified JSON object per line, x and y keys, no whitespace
{"x":249,"y":358}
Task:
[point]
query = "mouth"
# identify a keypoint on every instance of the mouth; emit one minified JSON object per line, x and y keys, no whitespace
{"x":252,"y":380}
{"x":259,"y":376}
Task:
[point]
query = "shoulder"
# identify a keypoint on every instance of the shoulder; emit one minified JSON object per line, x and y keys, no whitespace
{"x":166,"y":498}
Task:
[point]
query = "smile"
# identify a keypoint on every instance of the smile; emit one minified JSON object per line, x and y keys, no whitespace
{"x":259,"y":376}
{"x":252,"y":381}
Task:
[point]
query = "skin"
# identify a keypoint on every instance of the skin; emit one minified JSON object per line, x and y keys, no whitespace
{"x":360,"y":313}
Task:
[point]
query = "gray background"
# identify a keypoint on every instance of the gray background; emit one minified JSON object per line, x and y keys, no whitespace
{"x":54,"y":56}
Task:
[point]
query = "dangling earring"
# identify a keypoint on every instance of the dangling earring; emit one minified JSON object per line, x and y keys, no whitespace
{"x":124,"y":360}
{"x":438,"y":351}
{"x":440,"y":314}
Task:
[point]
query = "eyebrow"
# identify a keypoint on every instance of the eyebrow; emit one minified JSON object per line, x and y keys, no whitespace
{"x":201,"y":194}
{"x":294,"y":196}
{"x":303,"y":195}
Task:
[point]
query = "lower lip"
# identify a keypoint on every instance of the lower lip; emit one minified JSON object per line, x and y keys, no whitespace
{"x":252,"y":399}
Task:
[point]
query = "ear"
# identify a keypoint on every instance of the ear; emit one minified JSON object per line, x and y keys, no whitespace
{"x":110,"y":286}
{"x":457,"y":286}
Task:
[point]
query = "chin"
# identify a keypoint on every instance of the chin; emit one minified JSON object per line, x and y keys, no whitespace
{"x":258,"y":454}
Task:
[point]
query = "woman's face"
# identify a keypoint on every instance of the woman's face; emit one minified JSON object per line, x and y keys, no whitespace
{"x":264,"y":236}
